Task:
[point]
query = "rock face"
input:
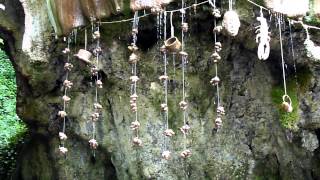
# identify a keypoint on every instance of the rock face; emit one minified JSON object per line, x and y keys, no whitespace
{"x":251,"y":145}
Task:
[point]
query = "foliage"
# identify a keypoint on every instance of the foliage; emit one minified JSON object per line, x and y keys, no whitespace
{"x":295,"y":86}
{"x":11,"y":128}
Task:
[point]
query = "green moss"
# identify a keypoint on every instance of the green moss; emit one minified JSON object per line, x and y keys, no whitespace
{"x":312,"y":19}
{"x":289,"y":120}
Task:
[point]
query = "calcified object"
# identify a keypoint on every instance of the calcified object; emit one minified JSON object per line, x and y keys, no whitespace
{"x":313,"y":51}
{"x":96,"y":35}
{"x":183,"y":54}
{"x":68,"y":66}
{"x":216,"y":57}
{"x":84,"y":55}
{"x":185,"y":27}
{"x":134,"y":97}
{"x":169,"y":132}
{"x":63,"y":150}
{"x":97,"y":106}
{"x":93,"y":144}
{"x":67,"y":84}
{"x":97,"y":51}
{"x":172,"y":44}
{"x":134,"y":58}
{"x":216,"y":13}
{"x":287,"y":104}
{"x":263,"y":39}
{"x":185,"y":129}
{"x":135,"y":125}
{"x":134,"y":79}
{"x":217,"y":29}
{"x":137,"y":142}
{"x":133,"y":48}
{"x":183,"y":105}
{"x":291,"y":8}
{"x":220,"y":110}
{"x":231,"y":22}
{"x":99,"y":84}
{"x":218,"y":123}
{"x":163,"y":77}
{"x":164,"y":107}
{"x":66,"y":98}
{"x":186,"y":153}
{"x":94,"y":71}
{"x":166,"y":155}
{"x":153,"y":5}
{"x":66,"y":51}
{"x":218,"y":46}
{"x":62,"y":114}
{"x":215,"y":81}
{"x":95,"y":116}
{"x":62,"y":136}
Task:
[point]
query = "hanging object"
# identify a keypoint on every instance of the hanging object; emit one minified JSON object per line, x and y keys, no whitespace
{"x":263,"y":38}
{"x":98,"y":9}
{"x":172,"y":44}
{"x":287,"y":104}
{"x":231,"y":21}
{"x":154,"y":5}
{"x":97,"y":107}
{"x":291,"y":8}
{"x":84,"y":54}
{"x":312,"y":50}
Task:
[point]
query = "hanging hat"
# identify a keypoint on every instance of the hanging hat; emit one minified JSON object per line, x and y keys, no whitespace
{"x":84,"y":55}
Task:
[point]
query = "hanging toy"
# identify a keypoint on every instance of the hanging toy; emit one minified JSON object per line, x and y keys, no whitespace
{"x":263,"y":38}
{"x":153,"y":5}
{"x":186,"y":153}
{"x":231,"y":21}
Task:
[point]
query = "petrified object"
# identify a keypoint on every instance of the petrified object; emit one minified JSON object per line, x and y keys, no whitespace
{"x":172,"y":44}
{"x":84,"y":55}
{"x":231,"y":22}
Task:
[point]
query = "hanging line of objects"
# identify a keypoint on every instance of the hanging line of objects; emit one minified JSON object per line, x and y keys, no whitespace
{"x":96,"y":114}
{"x":67,"y":84}
{"x":133,"y":60}
{"x":166,"y":154}
{"x":183,"y":104}
{"x":216,"y":59}
{"x":287,"y":103}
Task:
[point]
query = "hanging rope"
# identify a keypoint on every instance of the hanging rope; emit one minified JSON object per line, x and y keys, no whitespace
{"x":67,"y":85}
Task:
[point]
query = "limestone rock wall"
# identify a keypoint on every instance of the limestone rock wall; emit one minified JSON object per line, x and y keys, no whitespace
{"x":251,"y":145}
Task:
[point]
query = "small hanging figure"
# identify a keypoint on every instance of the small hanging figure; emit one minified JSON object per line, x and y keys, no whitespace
{"x":183,"y":105}
{"x":62,"y":114}
{"x":218,"y":123}
{"x":68,"y":84}
{"x":97,"y":106}
{"x":164,"y":107}
{"x":134,"y":79}
{"x":68,"y":66}
{"x":263,"y":38}
{"x":166,"y":155}
{"x":95,"y":116}
{"x":185,"y":129}
{"x":66,"y":98}
{"x":231,"y":22}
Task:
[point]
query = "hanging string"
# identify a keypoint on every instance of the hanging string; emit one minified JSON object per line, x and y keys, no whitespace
{"x":85,"y":39}
{"x":282,"y":59}
{"x":171,"y":24}
{"x":293,"y":57}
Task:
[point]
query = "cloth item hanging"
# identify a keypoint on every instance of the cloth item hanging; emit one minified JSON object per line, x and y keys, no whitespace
{"x":313,"y":51}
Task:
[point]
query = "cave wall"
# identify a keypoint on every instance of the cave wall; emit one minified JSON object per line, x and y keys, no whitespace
{"x":251,"y":145}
